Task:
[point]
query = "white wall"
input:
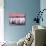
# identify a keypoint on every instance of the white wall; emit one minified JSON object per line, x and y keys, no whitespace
{"x":1,"y":21}
{"x":43,"y":6}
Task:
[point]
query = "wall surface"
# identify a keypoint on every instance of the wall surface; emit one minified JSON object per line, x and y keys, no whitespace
{"x":29,"y":8}
{"x":1,"y":21}
{"x":43,"y":6}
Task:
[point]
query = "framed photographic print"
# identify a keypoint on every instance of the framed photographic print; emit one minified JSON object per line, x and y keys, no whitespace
{"x":17,"y":19}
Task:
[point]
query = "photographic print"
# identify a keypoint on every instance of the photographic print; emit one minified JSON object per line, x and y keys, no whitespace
{"x":17,"y":19}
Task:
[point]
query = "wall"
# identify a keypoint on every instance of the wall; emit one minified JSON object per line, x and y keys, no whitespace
{"x":43,"y":6}
{"x":29,"y":7}
{"x":1,"y":21}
